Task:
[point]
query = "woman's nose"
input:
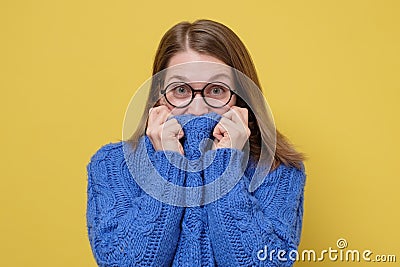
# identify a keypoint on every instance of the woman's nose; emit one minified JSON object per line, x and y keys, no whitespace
{"x":198,"y":106}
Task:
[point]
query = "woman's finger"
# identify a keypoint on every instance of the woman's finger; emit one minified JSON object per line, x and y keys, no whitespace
{"x":171,"y":128}
{"x":219,"y":131}
{"x":158,"y":115}
{"x":232,"y":129}
{"x":240,"y":113}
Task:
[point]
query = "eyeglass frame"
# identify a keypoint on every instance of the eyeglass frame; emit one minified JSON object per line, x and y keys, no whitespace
{"x":201,"y":91}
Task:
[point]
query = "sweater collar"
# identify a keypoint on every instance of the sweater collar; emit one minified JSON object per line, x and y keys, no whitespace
{"x":197,"y":132}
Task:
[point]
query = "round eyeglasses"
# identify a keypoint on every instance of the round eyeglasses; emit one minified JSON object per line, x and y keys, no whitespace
{"x":181,"y":94}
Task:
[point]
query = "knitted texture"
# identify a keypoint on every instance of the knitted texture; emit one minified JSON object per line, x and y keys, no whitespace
{"x":128,"y":227}
{"x":194,"y":247}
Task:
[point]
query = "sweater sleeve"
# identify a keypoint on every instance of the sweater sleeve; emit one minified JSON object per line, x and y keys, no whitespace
{"x":249,"y":229}
{"x":126,"y":226}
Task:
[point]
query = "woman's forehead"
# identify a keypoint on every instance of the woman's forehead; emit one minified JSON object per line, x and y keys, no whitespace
{"x":198,"y":72}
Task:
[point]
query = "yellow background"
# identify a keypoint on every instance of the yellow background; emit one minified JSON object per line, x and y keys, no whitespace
{"x":330,"y":70}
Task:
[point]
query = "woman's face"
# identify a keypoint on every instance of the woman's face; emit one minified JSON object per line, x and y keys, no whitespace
{"x":212,"y":73}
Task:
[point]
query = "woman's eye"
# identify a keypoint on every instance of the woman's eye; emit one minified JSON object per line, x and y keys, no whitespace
{"x":217,"y":90}
{"x":180,"y":91}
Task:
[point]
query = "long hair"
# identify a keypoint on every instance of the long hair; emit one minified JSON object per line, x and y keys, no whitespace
{"x":215,"y":39}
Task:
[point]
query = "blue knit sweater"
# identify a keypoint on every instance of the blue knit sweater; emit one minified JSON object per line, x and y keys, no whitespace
{"x":128,"y":227}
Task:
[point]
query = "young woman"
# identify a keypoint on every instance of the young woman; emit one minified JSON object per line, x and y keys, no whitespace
{"x":133,"y":221}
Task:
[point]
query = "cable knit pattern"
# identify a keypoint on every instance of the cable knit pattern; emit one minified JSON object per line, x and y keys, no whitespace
{"x":194,"y":244}
{"x":128,"y":227}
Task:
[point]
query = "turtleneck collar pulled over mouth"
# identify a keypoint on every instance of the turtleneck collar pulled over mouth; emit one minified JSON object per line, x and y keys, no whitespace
{"x":197,"y":131}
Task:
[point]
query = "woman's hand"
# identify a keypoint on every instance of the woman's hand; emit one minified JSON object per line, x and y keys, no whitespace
{"x":232,"y":131}
{"x":164,"y":134}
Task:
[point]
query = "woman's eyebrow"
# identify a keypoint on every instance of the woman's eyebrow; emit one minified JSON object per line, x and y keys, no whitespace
{"x":185,"y":79}
{"x":178,"y":77}
{"x":224,"y":75}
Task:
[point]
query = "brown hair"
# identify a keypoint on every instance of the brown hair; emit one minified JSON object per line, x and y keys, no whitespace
{"x":217,"y":40}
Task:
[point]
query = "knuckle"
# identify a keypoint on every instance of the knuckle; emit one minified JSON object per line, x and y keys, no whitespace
{"x":159,"y":135}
